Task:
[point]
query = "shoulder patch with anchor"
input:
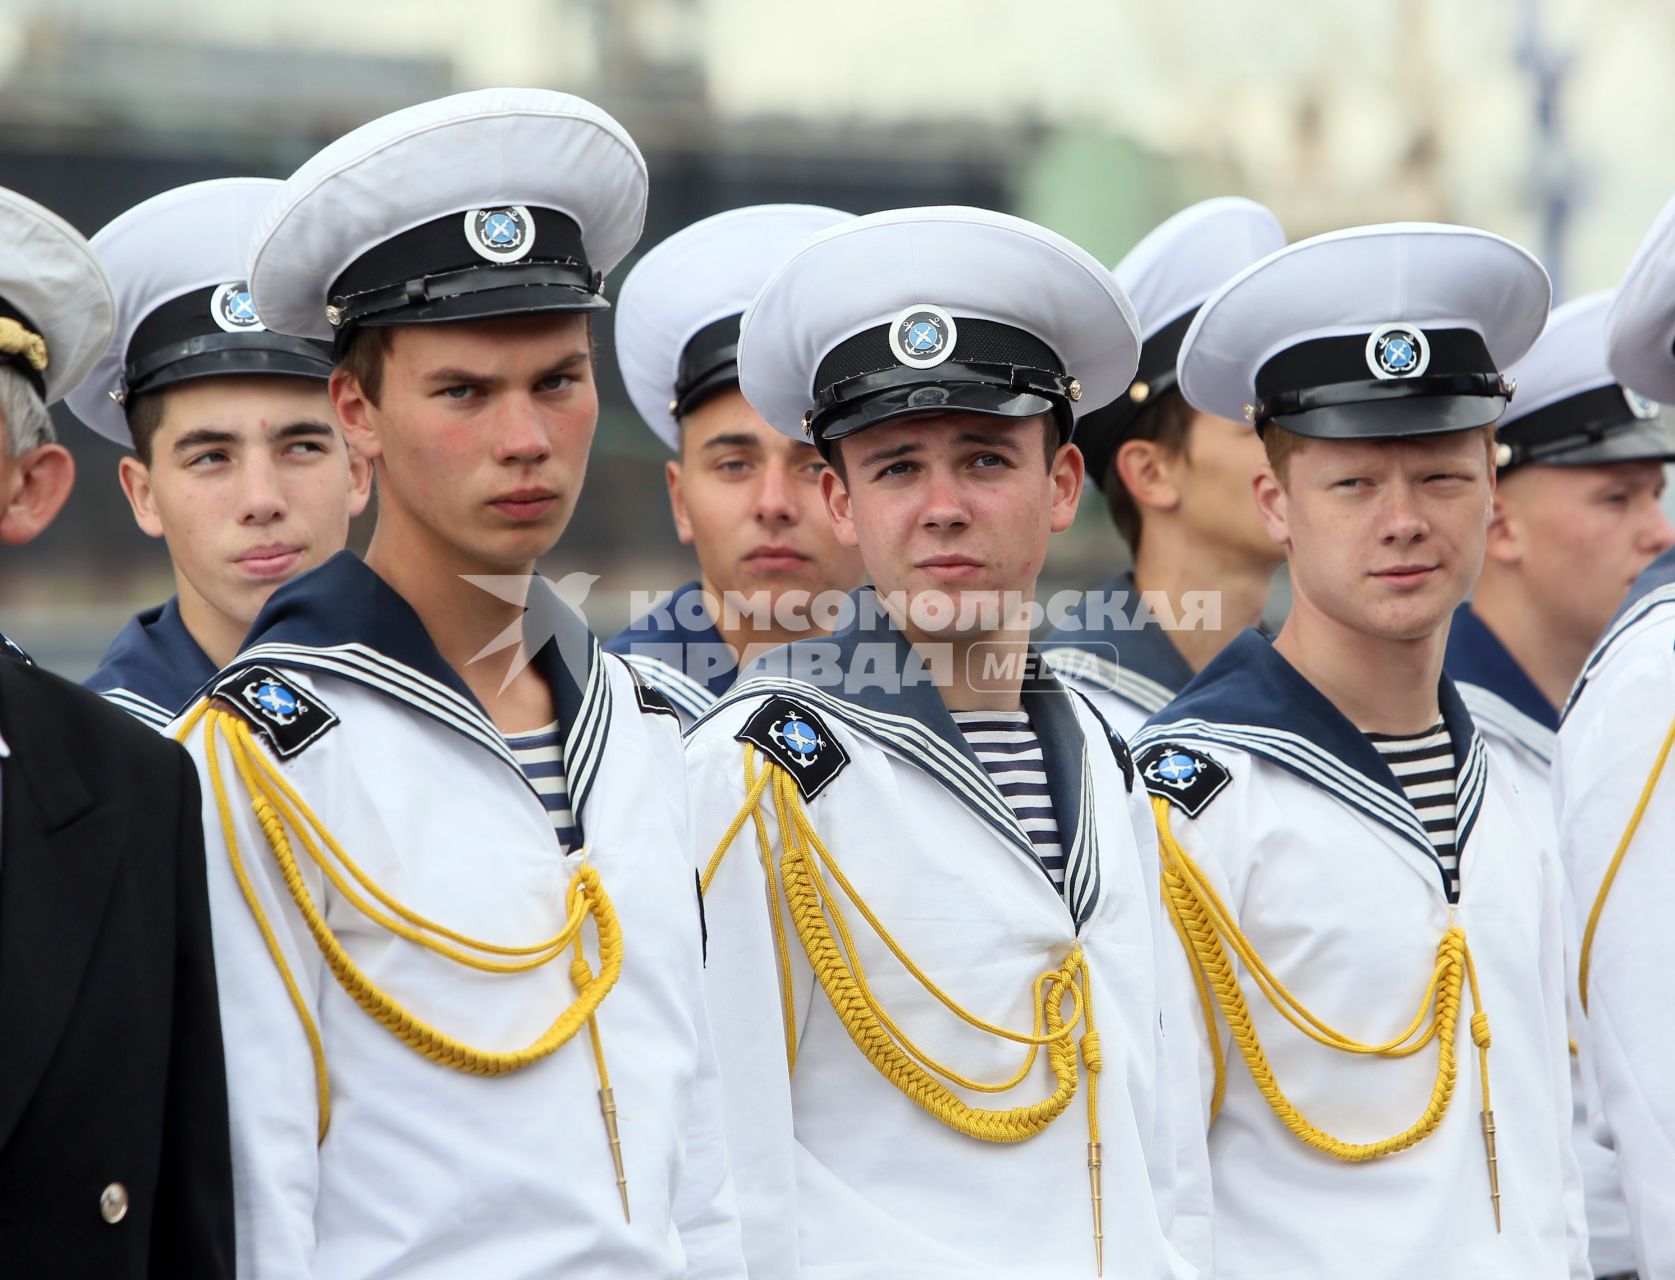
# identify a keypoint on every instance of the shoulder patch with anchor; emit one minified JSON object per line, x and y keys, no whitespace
{"x":1187,"y":779}
{"x":287,"y":717}
{"x":652,"y":700}
{"x":793,"y":736}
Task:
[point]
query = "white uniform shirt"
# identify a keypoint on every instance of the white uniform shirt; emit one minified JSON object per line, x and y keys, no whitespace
{"x":1519,"y":727}
{"x":1309,"y":840}
{"x":1610,"y":737}
{"x":840,"y":1176}
{"x":428,"y":1172}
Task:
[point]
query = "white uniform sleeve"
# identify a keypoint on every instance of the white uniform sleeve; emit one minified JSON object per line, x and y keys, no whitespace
{"x":705,"y":1207}
{"x":1606,"y":750}
{"x":1557,"y":1016}
{"x":742,"y":986}
{"x":271,"y":1095}
{"x":1180,"y":1165}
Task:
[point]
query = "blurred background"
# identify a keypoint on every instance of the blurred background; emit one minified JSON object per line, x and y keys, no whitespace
{"x":1543,"y":120}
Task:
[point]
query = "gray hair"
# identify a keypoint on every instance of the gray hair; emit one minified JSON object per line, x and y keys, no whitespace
{"x":28,"y":425}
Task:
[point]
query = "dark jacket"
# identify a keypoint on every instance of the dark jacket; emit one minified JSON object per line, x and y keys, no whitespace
{"x":113,"y":1097}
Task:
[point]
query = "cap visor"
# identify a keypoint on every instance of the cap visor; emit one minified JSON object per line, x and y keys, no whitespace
{"x":1648,"y":441}
{"x":243,"y":363}
{"x":490,"y":304}
{"x":949,"y":397}
{"x":1392,"y":419}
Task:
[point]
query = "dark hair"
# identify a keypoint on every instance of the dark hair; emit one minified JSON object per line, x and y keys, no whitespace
{"x":363,"y":359}
{"x":145,"y":415}
{"x":1166,"y":422}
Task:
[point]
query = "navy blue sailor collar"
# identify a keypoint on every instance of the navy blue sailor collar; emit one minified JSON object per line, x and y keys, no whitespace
{"x":1252,"y":699}
{"x":868,"y":675}
{"x":154,"y":666}
{"x":1479,"y":664}
{"x":672,"y":634}
{"x":1654,"y":588}
{"x":1136,"y":662}
{"x":343,"y":620}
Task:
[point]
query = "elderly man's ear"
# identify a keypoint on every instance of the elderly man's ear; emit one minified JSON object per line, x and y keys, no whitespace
{"x":33,"y":489}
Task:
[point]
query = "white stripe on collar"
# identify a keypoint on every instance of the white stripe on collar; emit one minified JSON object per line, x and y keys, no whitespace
{"x":1497,"y":713}
{"x":1303,"y":757}
{"x":678,"y":687}
{"x":1636,"y":613}
{"x":1089,"y":669}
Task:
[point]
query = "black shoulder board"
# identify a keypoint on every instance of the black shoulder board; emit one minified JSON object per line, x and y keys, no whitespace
{"x":652,"y":700}
{"x":795,"y":737}
{"x":287,"y":717}
{"x":12,"y":649}
{"x":1187,"y":779}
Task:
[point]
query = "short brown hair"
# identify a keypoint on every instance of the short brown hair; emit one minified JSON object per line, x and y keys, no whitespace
{"x":1281,"y":446}
{"x":1166,"y":422}
{"x":363,"y":359}
{"x":145,"y":416}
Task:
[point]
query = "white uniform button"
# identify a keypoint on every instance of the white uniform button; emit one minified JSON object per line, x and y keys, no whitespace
{"x":113,"y":1203}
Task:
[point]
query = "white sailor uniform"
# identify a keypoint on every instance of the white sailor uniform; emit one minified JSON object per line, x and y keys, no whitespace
{"x":1609,"y":746}
{"x":427,"y":1168}
{"x":840,"y":1174}
{"x":1304,"y":833}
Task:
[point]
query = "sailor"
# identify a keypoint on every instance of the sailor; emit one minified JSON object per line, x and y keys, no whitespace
{"x":1576,"y":519}
{"x":113,"y":1097}
{"x":1615,"y":799}
{"x":1358,"y":887}
{"x":745,"y":498}
{"x":923,"y":882}
{"x":1177,"y":482}
{"x":238,"y":461}
{"x":460,"y":931}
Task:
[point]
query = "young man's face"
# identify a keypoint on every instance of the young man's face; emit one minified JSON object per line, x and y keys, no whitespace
{"x":1579,"y":536}
{"x":954,"y":507}
{"x":480,"y":437}
{"x":1213,"y":477}
{"x":1383,"y":537}
{"x":747,"y":500}
{"x":250,"y":484}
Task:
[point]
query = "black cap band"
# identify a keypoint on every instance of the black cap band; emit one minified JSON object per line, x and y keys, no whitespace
{"x":708,"y":363}
{"x":36,"y":377}
{"x":434,"y":273}
{"x":1573,"y":430}
{"x":181,"y":340}
{"x":1397,"y":380}
{"x":995,"y":369}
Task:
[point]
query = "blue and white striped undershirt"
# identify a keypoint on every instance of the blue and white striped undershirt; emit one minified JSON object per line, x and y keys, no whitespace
{"x":1011,"y":754}
{"x":1424,"y":765}
{"x":541,"y":757}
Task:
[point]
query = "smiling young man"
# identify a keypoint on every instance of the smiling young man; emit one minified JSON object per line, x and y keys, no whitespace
{"x":475,"y":1042}
{"x":1612,"y":789}
{"x":1577,"y":518}
{"x":1358,"y":885}
{"x":1178,"y":483}
{"x":239,"y":464}
{"x":936,"y":788}
{"x":745,"y":498}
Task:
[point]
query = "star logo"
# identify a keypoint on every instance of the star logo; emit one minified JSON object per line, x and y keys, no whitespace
{"x":551,"y":611}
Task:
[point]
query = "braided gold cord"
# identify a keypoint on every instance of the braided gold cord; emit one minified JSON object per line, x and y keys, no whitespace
{"x":1203,"y":923}
{"x":278,"y":807}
